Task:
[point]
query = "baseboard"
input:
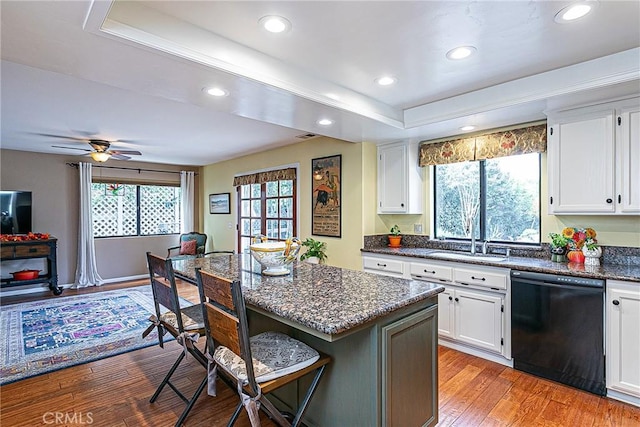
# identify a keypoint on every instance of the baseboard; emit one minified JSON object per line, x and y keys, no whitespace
{"x":31,"y":289}
{"x":476,"y":352}
{"x":626,"y":398}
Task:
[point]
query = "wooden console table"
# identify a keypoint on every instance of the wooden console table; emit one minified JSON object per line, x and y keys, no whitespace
{"x":30,"y":249}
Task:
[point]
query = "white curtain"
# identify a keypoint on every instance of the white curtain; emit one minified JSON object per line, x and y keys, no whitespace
{"x":187,"y":193}
{"x":86,"y":270}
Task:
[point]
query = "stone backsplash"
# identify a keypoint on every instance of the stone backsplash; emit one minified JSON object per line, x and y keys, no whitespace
{"x":610,"y":254}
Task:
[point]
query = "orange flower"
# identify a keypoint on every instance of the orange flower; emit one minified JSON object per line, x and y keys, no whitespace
{"x":568,"y":232}
{"x":590,"y":232}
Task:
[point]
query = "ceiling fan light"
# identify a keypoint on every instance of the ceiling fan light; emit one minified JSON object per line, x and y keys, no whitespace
{"x":100,"y":156}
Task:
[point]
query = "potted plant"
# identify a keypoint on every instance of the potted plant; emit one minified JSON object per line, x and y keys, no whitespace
{"x":395,"y":237}
{"x":558,"y":247}
{"x":592,"y":252}
{"x":316,"y":251}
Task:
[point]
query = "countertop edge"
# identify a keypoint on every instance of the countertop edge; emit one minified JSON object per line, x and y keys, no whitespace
{"x":630,"y":273}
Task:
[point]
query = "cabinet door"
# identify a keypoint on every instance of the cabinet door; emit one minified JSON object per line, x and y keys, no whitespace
{"x":392,"y":182}
{"x":478,"y":319}
{"x":623,"y":338}
{"x":581,"y":164}
{"x":446,"y":313}
{"x":410,"y":371}
{"x":628,"y":140}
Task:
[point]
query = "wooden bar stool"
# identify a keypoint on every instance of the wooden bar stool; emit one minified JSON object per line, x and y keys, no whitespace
{"x":258,"y":364}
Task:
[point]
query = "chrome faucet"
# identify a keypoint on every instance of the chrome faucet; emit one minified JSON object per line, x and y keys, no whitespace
{"x":485,"y":246}
{"x":473,"y":239}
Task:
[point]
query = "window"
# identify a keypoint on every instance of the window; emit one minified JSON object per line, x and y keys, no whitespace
{"x":267,"y":209}
{"x":135,"y":210}
{"x":500,"y":196}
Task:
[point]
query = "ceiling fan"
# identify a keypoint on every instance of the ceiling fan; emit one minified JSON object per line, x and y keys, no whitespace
{"x":100,"y":151}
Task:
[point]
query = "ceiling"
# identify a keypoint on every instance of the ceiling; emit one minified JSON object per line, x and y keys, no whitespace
{"x":135,"y":71}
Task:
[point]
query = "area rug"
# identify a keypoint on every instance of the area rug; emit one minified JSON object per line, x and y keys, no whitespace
{"x":43,"y":336}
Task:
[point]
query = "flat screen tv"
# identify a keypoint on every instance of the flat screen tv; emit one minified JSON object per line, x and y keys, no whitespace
{"x":16,"y":211}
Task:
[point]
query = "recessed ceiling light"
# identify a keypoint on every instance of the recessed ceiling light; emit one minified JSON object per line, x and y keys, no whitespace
{"x":467,"y":128}
{"x":574,"y":11}
{"x":275,"y":24}
{"x":333,"y":96}
{"x":386,"y":80}
{"x":325,"y":122}
{"x":461,"y":52}
{"x":216,"y":91}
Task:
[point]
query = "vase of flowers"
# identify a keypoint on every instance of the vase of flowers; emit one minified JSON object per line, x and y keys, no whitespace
{"x":577,"y":238}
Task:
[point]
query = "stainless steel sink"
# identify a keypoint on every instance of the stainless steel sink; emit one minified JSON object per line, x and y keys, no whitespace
{"x":466,"y":257}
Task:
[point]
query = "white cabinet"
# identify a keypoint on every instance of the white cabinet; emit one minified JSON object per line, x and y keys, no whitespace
{"x":623,"y":340}
{"x":474,"y":313}
{"x":593,"y":159}
{"x":383,"y":265}
{"x":399,"y":179}
{"x":628,"y":160}
{"x":471,"y":317}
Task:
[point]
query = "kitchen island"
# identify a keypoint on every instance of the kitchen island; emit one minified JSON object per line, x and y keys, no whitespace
{"x":381,"y":333}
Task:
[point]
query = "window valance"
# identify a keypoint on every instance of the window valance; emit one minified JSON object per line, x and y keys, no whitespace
{"x":261,"y":177}
{"x":530,"y":139}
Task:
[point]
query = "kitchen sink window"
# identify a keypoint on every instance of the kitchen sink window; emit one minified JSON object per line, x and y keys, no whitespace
{"x":488,"y":184}
{"x":135,"y":210}
{"x":266,"y":208}
{"x":499,"y":199}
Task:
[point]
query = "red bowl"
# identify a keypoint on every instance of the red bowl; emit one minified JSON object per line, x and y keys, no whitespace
{"x":25,"y":274}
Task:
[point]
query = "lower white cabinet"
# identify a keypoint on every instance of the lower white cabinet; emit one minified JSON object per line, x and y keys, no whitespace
{"x":623,"y":340}
{"x":472,"y":317}
{"x":474,"y":311}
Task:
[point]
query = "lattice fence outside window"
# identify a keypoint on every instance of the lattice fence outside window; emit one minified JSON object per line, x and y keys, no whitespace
{"x":135,"y":210}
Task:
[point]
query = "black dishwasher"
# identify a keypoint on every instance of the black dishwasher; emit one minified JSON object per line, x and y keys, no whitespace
{"x":557,"y":328}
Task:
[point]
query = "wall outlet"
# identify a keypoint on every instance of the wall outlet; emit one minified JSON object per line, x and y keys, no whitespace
{"x":417,"y":228}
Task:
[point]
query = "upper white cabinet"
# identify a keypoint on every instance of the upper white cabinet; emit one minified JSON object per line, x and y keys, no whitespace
{"x":400,"y":186}
{"x":594,"y":159}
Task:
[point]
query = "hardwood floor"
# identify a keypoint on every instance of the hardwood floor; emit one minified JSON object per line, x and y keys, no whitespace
{"x":116,"y":391}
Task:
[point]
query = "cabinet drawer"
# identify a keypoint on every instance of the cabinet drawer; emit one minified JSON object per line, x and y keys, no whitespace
{"x":381,"y":264}
{"x":6,"y":252}
{"x":431,"y":271}
{"x":480,"y":278}
{"x":32,"y":250}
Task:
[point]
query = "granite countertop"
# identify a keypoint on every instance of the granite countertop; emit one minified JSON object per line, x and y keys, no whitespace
{"x":627,"y":272}
{"x":326,"y":299}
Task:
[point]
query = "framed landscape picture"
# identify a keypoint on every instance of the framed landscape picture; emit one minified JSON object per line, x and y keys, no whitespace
{"x":326,"y":200}
{"x":219,"y":203}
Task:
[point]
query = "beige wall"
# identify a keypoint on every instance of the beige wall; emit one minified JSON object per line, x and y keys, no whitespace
{"x":612,"y":230}
{"x":342,"y":252}
{"x":55,"y":210}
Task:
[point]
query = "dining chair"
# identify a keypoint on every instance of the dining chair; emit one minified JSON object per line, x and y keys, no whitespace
{"x":192,"y":244}
{"x":184,"y":323}
{"x":259,"y":364}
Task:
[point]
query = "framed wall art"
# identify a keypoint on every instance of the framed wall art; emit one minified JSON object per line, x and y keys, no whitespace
{"x":219,"y":203}
{"x":326,"y":200}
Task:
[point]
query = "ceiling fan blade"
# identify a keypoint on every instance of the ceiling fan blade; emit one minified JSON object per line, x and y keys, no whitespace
{"x":130,"y":152}
{"x":117,"y":156}
{"x":71,"y":148}
{"x":62,"y":137}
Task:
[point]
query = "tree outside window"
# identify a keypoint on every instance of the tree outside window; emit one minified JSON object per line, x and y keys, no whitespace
{"x":500,"y":197}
